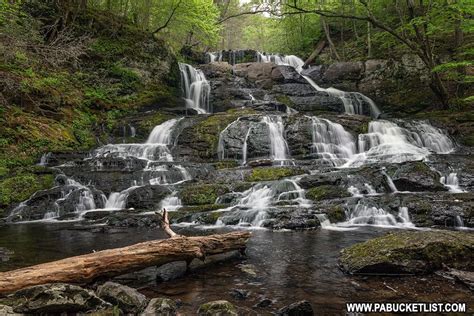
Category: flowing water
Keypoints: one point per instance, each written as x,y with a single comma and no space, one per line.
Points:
278,144
196,88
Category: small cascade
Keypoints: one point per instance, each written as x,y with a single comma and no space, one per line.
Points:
388,142
196,88
278,146
364,215
331,141
86,202
370,189
251,208
244,147
354,191
156,148
44,159
451,182
459,222
390,183
171,203
118,200
184,172
353,101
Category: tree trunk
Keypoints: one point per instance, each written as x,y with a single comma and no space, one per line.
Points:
328,37
319,47
114,262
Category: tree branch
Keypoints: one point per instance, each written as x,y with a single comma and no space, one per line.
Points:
169,18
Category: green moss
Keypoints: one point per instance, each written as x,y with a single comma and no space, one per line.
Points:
285,100
19,188
415,252
273,173
201,194
468,140
325,192
210,218
153,120
336,214
363,128
226,164
201,208
217,308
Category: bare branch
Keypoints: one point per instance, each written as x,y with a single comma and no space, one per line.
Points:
169,18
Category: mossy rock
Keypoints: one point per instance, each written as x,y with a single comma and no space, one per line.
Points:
336,214
210,218
20,187
226,164
326,192
153,120
217,308
410,252
202,194
273,173
201,208
285,100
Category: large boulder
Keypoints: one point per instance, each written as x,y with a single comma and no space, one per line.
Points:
147,197
56,298
341,71
416,177
217,308
126,298
410,252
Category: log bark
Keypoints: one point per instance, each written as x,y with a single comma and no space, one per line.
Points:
319,48
113,262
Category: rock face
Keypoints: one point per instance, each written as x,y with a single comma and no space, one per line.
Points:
217,308
393,84
416,177
127,299
411,252
56,298
302,308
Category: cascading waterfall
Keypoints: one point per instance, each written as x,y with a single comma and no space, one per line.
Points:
156,147
390,183
451,181
244,147
388,142
44,159
364,215
278,145
331,141
196,88
118,200
252,207
353,101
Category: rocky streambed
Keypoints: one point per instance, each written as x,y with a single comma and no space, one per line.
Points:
311,169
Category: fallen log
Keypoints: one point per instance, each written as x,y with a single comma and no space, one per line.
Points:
113,262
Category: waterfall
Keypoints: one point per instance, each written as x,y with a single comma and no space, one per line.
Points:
196,88
331,141
451,182
278,146
44,159
352,105
244,147
155,148
118,200
251,208
390,183
388,142
354,191
370,189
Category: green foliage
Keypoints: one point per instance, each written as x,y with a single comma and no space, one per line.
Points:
325,192
19,188
202,194
82,129
273,173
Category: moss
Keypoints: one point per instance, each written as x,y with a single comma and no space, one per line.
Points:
210,218
285,100
326,192
468,140
153,120
363,128
411,252
226,164
201,208
336,214
201,194
274,173
20,187
217,308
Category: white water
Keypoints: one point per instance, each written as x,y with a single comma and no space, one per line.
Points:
363,215
196,88
331,141
44,159
118,200
278,145
171,203
390,183
388,142
244,147
156,147
452,182
351,105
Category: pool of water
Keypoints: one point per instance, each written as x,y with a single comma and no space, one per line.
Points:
282,267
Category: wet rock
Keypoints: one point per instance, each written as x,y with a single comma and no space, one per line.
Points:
7,310
130,219
255,71
287,74
126,298
326,192
171,271
301,308
56,298
240,294
416,177
463,277
147,197
216,69
217,308
293,218
161,306
341,71
5,254
315,72
264,303
411,252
